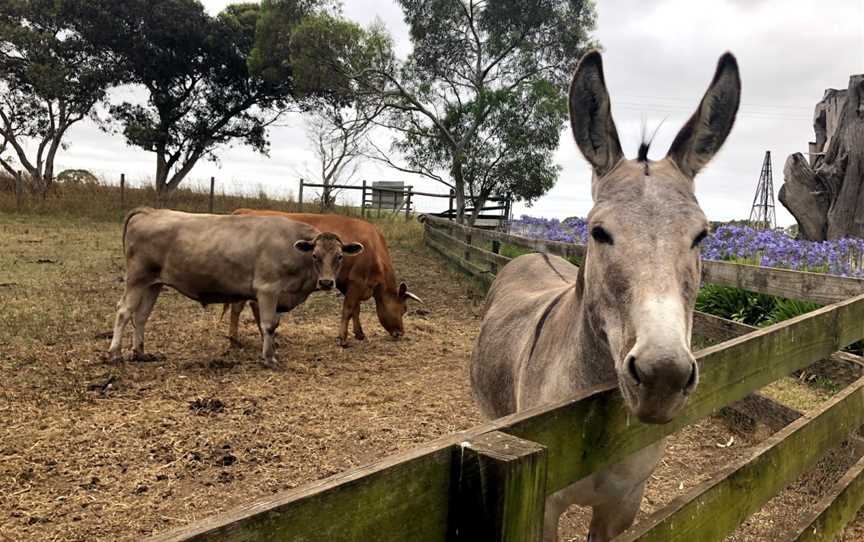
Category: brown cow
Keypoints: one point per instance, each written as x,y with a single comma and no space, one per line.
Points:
370,274
223,259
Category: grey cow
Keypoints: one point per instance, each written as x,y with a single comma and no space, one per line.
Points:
272,260
552,330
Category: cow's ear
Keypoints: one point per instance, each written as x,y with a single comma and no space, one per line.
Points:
405,294
352,249
304,245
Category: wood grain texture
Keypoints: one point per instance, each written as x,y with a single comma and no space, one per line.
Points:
835,510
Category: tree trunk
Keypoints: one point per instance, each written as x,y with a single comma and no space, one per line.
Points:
459,185
826,196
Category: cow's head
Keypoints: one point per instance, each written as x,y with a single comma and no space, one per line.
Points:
391,305
327,251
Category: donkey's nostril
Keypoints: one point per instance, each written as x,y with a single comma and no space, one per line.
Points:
632,370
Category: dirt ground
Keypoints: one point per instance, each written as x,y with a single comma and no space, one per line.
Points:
91,450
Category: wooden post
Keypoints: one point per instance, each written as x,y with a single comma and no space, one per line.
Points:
408,205
19,190
363,201
501,489
380,194
450,215
300,196
212,190
496,249
467,249
122,191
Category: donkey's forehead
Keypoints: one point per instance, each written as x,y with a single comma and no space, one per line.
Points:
646,189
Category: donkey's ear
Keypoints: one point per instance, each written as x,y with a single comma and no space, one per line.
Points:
704,134
591,116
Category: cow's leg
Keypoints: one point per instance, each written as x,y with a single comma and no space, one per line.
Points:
355,319
140,316
269,321
350,310
257,314
233,326
125,308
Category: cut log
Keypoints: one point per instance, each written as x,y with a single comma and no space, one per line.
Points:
826,195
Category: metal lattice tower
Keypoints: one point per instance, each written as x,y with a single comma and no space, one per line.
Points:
762,215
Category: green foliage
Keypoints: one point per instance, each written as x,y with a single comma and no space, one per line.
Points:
483,94
50,78
735,304
194,67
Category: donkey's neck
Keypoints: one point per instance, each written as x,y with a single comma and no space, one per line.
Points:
593,363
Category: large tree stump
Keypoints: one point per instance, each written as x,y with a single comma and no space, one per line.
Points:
826,194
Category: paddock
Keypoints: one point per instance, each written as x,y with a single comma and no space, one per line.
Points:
205,442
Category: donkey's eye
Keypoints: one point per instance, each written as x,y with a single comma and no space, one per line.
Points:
601,236
699,238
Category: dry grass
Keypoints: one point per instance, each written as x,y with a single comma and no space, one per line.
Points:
96,451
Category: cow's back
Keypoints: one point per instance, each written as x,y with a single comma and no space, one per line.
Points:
372,267
519,300
213,258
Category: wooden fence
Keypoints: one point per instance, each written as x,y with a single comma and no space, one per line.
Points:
490,482
492,215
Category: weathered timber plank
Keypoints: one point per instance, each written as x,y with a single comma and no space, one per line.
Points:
730,371
475,271
500,490
760,408
565,250
402,498
718,329
716,508
814,287
406,496
835,510
479,253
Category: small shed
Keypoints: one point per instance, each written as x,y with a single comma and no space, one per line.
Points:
392,197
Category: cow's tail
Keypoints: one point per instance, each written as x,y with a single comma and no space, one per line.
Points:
129,215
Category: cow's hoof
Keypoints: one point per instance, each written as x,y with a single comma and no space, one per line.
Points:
359,335
343,342
114,357
147,358
272,363
234,343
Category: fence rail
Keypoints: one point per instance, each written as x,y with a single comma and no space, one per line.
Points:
490,482
501,205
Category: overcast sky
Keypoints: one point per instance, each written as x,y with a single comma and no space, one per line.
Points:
659,57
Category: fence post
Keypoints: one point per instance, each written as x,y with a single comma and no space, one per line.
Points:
450,209
408,205
212,190
379,200
19,190
496,249
501,492
468,249
363,201
300,196
122,191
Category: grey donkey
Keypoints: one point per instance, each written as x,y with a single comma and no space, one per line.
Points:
552,330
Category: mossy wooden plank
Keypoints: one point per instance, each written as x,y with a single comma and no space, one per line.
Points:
813,287
475,271
565,250
834,511
402,498
476,251
499,490
714,509
591,432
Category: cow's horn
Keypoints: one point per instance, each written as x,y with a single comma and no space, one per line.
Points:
414,297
